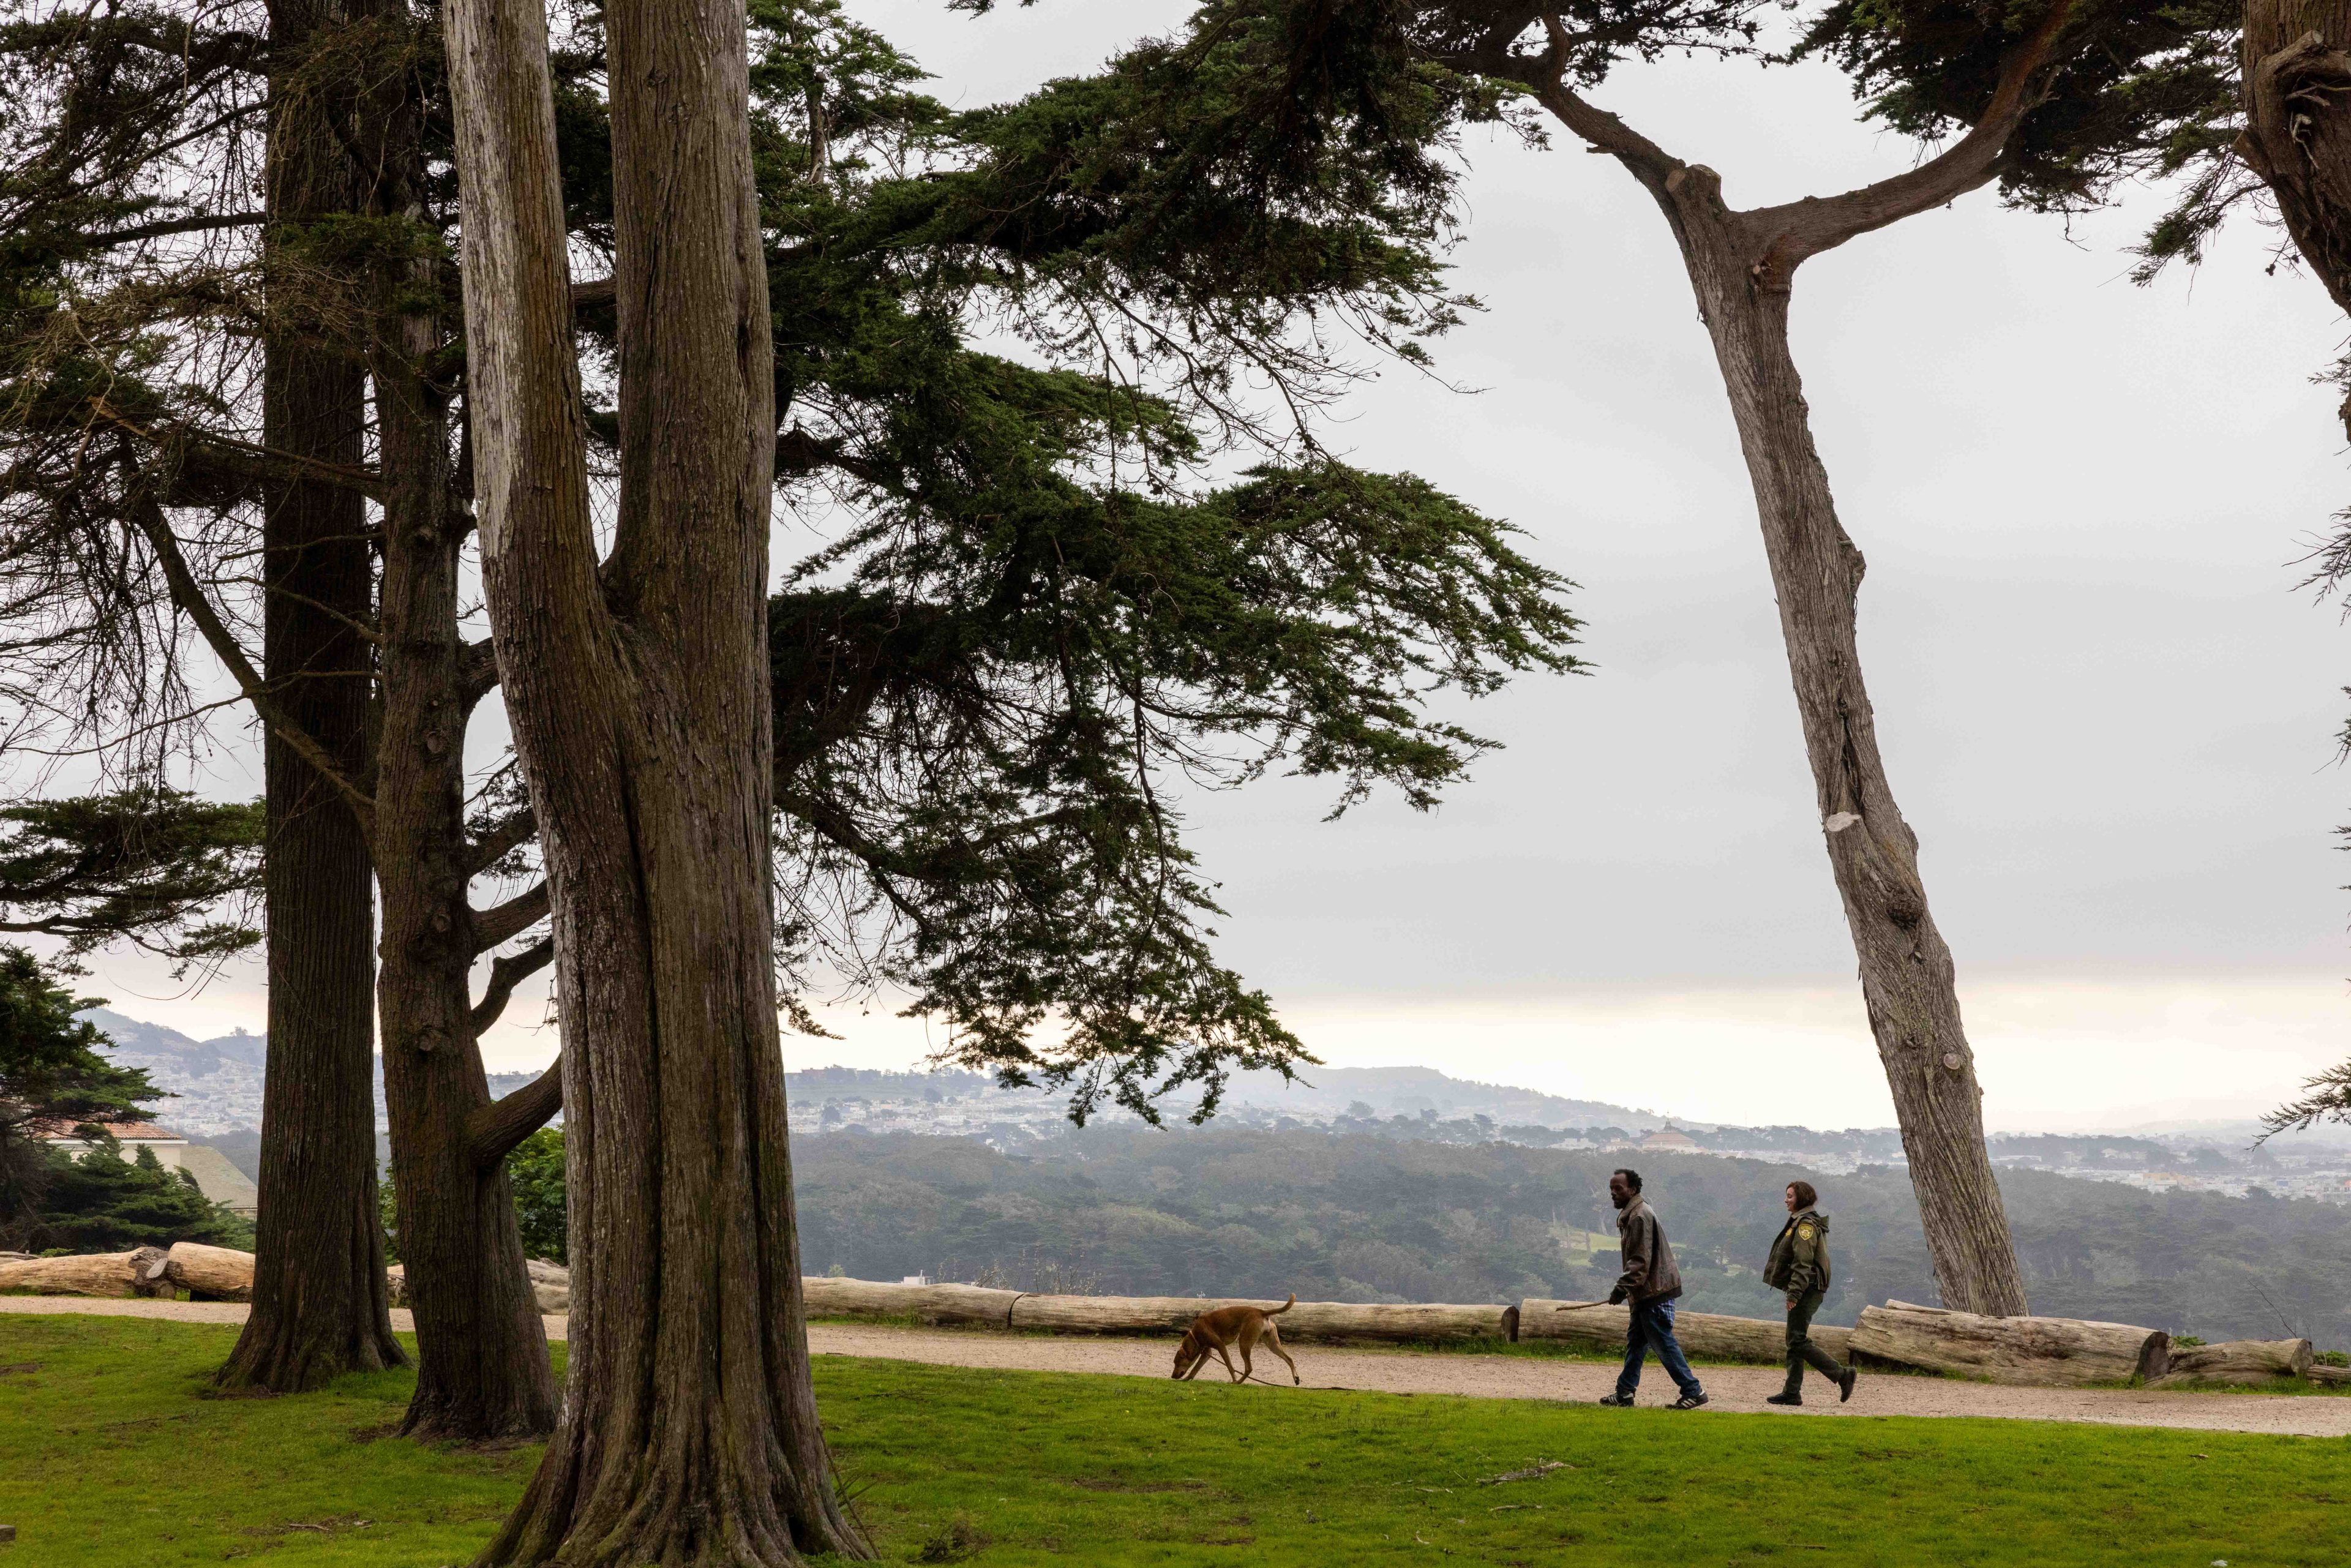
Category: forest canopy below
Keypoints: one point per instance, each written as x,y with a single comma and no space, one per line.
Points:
1361,1218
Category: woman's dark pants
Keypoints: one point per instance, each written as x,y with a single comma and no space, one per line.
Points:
1801,1348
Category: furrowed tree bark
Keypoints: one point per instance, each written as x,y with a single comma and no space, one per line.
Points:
638,691
318,1303
2297,136
1741,266
483,1369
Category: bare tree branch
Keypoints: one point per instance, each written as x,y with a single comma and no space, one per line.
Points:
506,973
499,842
503,923
496,1129
198,224
193,601
1799,230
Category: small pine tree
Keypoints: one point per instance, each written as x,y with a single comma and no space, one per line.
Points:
104,1203
51,1074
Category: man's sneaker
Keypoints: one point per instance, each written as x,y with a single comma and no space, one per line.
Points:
1783,1399
1689,1402
1844,1385
1618,1401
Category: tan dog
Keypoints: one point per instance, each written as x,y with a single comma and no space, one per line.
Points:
1247,1327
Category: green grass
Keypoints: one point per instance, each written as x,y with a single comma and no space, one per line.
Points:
112,1454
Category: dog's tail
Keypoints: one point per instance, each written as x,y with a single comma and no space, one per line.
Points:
1285,1306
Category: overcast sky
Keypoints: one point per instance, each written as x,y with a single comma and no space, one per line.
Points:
2106,708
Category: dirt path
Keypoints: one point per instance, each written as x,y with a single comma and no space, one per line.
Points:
1481,1376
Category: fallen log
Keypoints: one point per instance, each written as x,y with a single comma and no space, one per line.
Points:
1322,1321
2043,1352
2237,1364
930,1304
550,1282
1338,1321
1710,1336
1121,1314
207,1273
2330,1377
83,1274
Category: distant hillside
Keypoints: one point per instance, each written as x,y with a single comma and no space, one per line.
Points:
216,1082
1361,1217
1325,1092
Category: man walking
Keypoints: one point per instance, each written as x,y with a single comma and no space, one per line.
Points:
1650,1283
1799,1265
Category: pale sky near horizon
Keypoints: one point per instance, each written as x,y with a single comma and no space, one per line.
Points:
2108,709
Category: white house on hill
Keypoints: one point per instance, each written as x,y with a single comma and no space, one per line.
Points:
215,1177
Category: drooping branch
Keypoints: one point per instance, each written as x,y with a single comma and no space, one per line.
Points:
188,594
502,922
498,1128
197,223
506,973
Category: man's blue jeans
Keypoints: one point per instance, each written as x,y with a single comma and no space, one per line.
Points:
1652,1328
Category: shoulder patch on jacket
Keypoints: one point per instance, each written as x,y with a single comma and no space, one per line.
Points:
1804,1233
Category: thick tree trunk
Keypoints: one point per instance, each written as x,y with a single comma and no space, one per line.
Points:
482,1361
2297,133
1907,974
640,703
318,1302
2297,136
483,1369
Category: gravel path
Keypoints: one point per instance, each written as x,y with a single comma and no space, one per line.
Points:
1482,1376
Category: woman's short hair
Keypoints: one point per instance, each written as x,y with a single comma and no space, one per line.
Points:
1805,1195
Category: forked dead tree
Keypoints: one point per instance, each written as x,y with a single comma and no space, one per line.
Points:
2003,80
1742,265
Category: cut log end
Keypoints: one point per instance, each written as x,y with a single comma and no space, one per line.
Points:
2236,1364
2030,1351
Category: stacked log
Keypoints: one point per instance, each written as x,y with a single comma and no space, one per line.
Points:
206,1273
86,1274
929,1303
1710,1336
2240,1363
2060,1353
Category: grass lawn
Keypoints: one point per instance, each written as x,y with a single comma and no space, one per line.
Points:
112,1454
